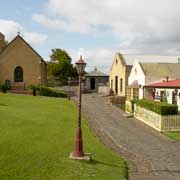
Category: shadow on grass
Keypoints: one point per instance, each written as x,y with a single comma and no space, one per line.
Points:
3,104
95,162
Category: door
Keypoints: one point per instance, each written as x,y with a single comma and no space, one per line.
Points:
116,84
92,83
162,96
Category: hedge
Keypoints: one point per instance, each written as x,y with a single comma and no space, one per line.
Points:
3,88
46,91
157,107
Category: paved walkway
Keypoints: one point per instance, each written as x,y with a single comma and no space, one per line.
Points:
151,154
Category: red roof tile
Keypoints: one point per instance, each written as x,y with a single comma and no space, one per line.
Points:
166,84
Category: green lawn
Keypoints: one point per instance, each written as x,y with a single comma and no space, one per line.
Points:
173,135
37,136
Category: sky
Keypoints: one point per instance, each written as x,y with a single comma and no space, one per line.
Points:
94,29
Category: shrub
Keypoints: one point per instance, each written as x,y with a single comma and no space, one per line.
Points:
34,89
157,107
3,88
46,91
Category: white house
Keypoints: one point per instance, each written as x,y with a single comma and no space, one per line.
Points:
168,91
143,73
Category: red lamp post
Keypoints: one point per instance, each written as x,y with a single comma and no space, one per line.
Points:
69,93
78,152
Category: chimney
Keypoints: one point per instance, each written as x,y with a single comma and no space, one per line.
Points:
2,42
167,78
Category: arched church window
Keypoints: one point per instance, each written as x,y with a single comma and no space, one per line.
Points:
18,74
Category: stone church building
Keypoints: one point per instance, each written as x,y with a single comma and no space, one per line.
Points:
20,65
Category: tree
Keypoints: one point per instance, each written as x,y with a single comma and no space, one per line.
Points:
60,65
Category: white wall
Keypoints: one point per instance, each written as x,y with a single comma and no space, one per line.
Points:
137,74
169,95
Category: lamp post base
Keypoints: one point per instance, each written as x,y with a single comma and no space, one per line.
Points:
86,157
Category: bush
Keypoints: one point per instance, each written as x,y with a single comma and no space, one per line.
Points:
3,88
46,91
157,107
34,89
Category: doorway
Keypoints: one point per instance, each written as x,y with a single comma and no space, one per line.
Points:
162,96
116,84
93,83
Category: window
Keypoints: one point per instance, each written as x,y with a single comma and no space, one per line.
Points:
135,71
18,74
135,93
128,93
121,84
116,61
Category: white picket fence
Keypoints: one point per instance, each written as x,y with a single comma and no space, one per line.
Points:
159,122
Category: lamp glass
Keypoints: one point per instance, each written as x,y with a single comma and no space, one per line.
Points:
80,68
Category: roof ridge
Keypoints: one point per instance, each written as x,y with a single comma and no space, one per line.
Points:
26,44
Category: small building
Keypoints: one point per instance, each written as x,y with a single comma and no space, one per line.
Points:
20,65
167,91
96,81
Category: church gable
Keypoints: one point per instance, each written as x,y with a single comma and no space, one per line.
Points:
19,62
19,47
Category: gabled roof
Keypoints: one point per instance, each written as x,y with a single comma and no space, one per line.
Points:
131,58
172,70
96,73
166,84
18,36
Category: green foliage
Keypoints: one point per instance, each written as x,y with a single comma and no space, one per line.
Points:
60,65
46,91
37,136
3,88
34,87
157,107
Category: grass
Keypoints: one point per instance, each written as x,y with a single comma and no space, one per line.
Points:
173,135
37,136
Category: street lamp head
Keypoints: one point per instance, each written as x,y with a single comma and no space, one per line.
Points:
80,65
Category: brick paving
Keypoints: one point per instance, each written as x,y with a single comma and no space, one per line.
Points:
151,155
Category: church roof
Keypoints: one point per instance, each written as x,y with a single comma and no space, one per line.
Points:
18,36
96,73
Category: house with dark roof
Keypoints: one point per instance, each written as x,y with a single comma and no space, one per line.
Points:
20,65
96,81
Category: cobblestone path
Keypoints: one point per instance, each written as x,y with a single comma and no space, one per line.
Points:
151,155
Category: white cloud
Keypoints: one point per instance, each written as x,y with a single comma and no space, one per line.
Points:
147,26
11,28
35,38
61,24
100,57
